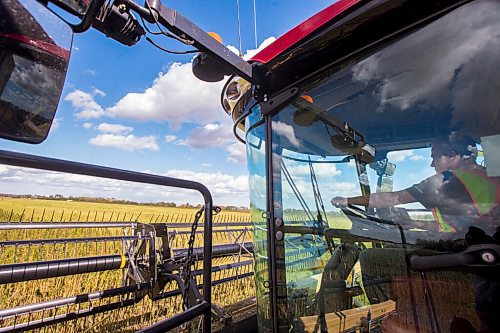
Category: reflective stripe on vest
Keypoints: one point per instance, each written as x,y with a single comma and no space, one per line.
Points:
442,225
484,191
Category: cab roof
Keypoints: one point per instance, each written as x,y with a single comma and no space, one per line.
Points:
302,30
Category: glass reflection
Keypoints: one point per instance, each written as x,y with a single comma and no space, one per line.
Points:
34,55
255,130
406,242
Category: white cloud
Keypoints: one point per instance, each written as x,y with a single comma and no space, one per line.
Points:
170,138
417,158
286,131
211,135
226,189
55,124
180,142
321,170
91,72
176,96
217,183
237,152
85,104
87,125
400,156
441,68
128,143
114,128
99,92
250,53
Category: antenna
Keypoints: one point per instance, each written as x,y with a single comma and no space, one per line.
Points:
239,25
255,22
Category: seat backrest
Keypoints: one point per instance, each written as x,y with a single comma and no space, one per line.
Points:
430,299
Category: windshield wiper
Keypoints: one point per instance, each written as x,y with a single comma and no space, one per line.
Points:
346,138
354,211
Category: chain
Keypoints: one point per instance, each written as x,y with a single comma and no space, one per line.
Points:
189,259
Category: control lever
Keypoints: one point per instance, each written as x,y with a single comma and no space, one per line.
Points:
480,256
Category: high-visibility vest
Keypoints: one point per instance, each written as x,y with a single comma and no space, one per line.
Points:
483,191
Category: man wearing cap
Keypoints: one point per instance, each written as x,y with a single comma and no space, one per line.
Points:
458,194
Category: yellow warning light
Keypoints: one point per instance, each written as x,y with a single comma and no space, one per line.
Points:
215,36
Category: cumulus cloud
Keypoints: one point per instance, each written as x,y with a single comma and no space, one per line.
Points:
176,96
417,158
321,170
85,105
441,67
226,189
87,125
99,92
286,131
237,152
402,155
128,142
218,183
250,53
114,128
211,135
55,124
170,138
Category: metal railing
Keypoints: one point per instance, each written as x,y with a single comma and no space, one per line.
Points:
14,272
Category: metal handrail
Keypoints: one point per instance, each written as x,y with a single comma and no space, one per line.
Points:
51,164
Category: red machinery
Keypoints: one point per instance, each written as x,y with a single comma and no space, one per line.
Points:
345,117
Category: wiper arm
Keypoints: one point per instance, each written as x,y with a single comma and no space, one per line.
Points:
347,139
351,210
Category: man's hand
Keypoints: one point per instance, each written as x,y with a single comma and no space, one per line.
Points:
339,202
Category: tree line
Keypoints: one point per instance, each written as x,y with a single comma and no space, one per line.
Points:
61,197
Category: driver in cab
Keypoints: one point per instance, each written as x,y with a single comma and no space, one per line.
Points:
459,194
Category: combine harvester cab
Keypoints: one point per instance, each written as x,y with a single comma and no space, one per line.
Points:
376,132
372,133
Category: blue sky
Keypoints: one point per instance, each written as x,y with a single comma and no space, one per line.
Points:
141,109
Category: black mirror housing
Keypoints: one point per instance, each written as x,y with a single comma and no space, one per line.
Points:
35,47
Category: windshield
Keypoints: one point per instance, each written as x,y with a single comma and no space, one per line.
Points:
383,161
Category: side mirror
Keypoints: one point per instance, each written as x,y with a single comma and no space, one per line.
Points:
35,47
75,7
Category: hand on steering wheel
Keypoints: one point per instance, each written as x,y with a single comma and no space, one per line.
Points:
339,202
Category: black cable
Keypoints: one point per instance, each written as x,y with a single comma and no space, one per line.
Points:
239,120
169,51
166,33
224,90
148,30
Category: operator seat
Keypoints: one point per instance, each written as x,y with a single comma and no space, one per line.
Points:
333,295
439,296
